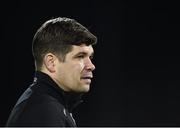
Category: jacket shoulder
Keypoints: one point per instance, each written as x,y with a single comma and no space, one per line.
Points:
38,110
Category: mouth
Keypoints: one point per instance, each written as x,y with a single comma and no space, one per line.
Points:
86,79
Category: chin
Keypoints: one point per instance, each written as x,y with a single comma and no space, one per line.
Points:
85,88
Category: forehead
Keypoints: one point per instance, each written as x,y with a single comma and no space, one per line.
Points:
82,48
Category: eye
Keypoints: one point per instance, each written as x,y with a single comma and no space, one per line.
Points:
91,57
80,56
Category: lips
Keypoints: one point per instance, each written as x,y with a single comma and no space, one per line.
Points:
87,78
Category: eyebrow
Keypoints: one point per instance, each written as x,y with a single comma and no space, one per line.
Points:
83,53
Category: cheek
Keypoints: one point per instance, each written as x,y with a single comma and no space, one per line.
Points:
73,70
78,67
76,70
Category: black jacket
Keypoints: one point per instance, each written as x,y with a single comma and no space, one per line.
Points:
44,103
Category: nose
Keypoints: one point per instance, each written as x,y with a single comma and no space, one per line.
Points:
89,65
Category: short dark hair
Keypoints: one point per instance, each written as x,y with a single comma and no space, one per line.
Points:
57,36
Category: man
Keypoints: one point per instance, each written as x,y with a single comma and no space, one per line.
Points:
62,49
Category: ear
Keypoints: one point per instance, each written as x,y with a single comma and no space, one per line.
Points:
49,62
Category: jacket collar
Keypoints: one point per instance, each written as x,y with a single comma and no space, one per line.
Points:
69,99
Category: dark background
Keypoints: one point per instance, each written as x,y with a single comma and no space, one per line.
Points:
136,81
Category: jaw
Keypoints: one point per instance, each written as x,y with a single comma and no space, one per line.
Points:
84,86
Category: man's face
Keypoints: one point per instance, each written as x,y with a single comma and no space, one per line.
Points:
75,73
